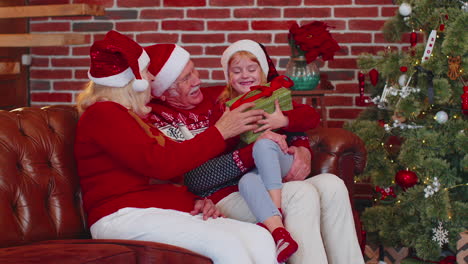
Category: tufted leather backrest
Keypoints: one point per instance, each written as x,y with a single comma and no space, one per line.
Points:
39,188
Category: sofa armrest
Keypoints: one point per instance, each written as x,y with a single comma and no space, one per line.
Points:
146,251
337,151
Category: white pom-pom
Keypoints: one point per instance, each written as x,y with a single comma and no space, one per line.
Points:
140,85
402,80
441,117
405,9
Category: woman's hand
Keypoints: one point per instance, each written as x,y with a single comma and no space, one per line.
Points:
274,120
277,138
207,208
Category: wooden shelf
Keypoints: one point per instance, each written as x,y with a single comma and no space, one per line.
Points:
51,10
41,40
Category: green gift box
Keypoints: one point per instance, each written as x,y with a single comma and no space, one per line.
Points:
266,103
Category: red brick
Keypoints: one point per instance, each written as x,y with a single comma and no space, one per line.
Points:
262,38
389,11
356,12
352,37
278,50
307,12
335,123
161,13
373,2
39,85
92,26
104,3
218,76
47,2
136,26
342,64
50,26
193,25
338,101
156,38
73,18
138,3
340,75
51,97
204,75
231,2
271,25
185,3
50,74
70,62
215,50
119,14
40,62
278,2
257,12
357,50
207,62
194,50
81,74
374,25
347,87
228,25
208,13
344,113
80,51
203,38
48,51
327,2
69,86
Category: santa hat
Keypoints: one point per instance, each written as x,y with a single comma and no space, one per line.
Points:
244,45
116,60
167,61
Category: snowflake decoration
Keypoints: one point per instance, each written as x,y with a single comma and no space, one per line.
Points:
440,235
432,188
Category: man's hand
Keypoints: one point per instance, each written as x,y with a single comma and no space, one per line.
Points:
239,120
277,138
300,168
207,208
274,120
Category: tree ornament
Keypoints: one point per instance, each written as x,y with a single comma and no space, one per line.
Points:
374,76
413,39
464,98
362,100
440,235
403,69
388,191
454,67
441,27
432,188
402,80
406,179
441,117
405,9
429,46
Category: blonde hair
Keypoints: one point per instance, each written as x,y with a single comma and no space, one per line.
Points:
229,92
126,96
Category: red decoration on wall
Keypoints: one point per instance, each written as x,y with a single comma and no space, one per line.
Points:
464,98
374,76
362,100
406,179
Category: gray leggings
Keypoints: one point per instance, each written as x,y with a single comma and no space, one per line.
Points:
272,165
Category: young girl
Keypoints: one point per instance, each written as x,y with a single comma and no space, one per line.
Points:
245,64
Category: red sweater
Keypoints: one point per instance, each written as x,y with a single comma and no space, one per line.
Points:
117,154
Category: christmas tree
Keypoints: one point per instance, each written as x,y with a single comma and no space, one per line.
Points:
416,130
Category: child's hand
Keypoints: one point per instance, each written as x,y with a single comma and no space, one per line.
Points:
274,120
207,208
277,138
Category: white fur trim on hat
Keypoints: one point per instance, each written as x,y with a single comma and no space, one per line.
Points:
244,45
118,80
143,60
171,70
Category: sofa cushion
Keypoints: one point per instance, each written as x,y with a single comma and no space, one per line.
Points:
67,253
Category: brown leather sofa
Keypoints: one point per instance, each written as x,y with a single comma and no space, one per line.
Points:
41,215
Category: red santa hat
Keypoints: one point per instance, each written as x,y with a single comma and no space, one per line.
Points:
116,60
167,61
244,45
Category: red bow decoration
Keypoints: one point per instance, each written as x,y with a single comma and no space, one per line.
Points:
276,83
385,192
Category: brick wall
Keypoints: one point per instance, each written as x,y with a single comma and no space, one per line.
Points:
205,28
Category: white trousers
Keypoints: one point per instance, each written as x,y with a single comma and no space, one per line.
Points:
318,214
225,241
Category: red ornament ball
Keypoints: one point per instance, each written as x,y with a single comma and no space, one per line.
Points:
403,69
406,179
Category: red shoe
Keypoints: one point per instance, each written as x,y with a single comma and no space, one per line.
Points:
285,244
